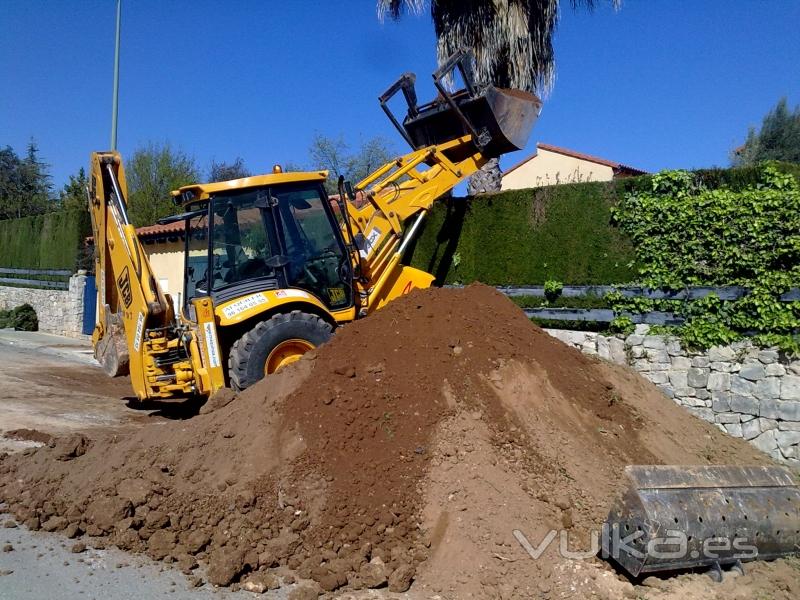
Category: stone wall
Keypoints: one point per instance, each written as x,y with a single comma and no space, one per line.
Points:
59,311
748,392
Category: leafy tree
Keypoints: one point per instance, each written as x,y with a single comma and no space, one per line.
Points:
778,138
25,184
73,196
511,40
222,171
153,171
333,155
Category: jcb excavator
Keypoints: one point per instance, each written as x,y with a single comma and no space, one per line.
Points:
272,267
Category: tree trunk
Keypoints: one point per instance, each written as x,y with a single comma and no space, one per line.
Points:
487,179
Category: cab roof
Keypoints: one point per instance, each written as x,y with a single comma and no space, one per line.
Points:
202,191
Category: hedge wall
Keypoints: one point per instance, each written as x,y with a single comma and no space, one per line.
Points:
561,232
50,241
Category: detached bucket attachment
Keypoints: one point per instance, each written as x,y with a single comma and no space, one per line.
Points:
499,120
676,517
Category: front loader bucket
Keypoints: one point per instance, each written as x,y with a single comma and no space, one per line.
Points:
674,517
503,120
499,120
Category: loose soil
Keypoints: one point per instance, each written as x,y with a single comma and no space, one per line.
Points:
408,449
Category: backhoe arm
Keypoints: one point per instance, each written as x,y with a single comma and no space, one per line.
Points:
130,301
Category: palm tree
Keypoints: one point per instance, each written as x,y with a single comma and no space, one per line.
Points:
511,40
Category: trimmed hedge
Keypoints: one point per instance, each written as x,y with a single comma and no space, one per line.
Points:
50,241
561,232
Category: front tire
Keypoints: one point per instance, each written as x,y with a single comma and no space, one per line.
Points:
273,344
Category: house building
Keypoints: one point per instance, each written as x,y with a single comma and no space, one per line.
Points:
552,165
164,245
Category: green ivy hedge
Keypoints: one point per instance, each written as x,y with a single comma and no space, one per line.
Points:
50,241
686,233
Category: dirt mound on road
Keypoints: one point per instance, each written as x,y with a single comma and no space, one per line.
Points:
410,446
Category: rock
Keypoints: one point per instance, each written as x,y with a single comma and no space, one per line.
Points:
678,379
790,387
697,378
373,573
744,404
219,399
658,356
641,329
703,413
55,524
195,541
33,524
720,401
634,340
674,348
161,543
719,382
667,391
775,370
304,591
107,511
751,429
753,372
789,426
616,349
225,565
156,520
768,388
657,377
766,442
734,429
8,548
700,362
787,438
78,547
767,424
702,394
136,490
727,418
742,387
69,447
681,363
73,530
261,582
721,354
768,356
401,578
789,411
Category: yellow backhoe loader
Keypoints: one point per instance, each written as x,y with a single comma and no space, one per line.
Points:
273,266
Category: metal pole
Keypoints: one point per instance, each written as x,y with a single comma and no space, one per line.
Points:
116,81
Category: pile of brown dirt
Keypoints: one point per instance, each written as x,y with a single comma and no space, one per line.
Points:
410,447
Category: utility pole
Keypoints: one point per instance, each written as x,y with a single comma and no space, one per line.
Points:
115,100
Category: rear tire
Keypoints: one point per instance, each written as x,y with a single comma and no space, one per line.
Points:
278,341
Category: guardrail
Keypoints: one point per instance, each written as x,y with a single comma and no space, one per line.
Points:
606,315
36,281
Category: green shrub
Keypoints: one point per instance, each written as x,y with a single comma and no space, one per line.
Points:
50,241
21,318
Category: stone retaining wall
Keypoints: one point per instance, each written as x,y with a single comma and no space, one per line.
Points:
59,311
751,393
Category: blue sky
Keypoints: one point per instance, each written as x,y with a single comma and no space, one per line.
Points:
658,84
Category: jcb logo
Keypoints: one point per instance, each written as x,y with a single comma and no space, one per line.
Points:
124,285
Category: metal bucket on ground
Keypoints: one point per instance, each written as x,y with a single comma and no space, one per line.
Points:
674,517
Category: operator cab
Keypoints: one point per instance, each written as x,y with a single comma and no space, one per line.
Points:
261,233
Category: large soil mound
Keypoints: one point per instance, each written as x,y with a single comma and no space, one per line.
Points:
409,447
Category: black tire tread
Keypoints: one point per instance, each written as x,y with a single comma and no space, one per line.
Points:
243,347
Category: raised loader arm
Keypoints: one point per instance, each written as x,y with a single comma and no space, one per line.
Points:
452,137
